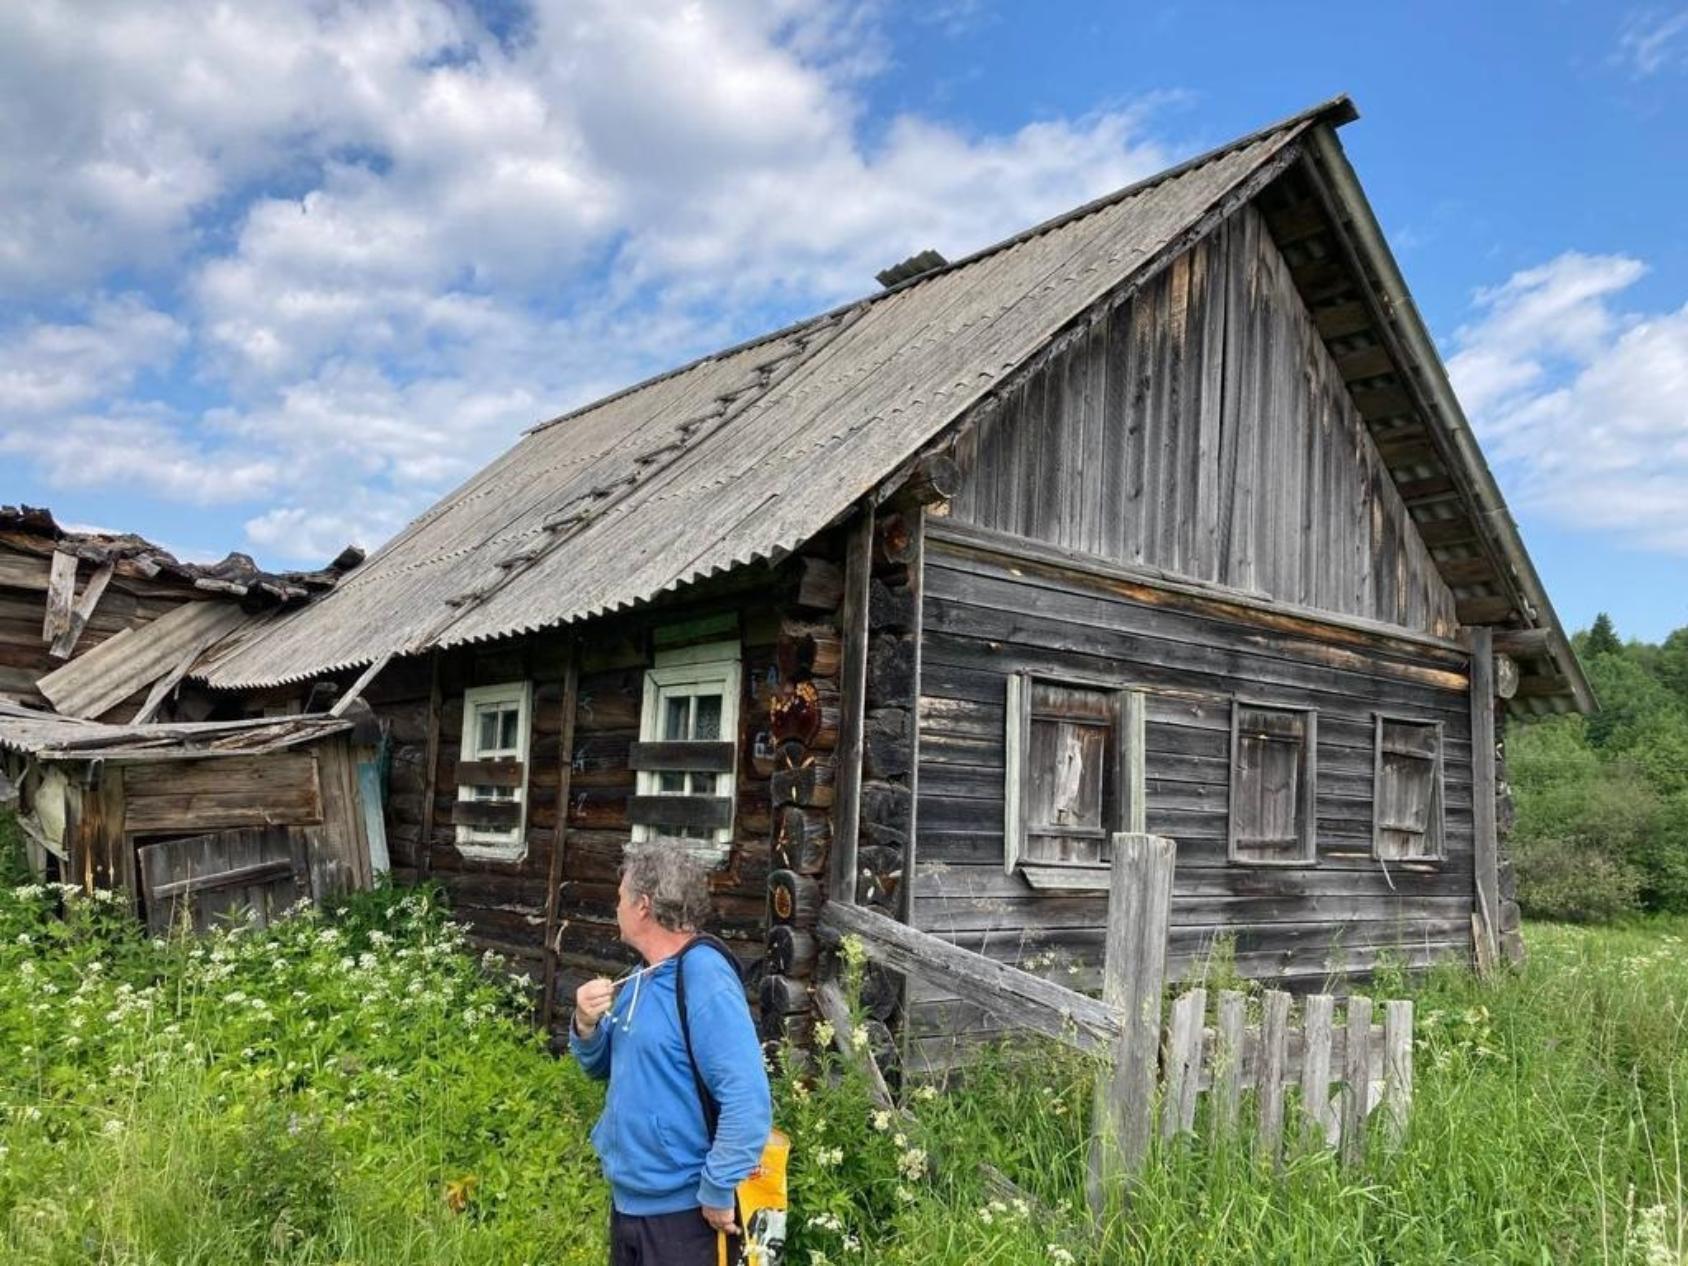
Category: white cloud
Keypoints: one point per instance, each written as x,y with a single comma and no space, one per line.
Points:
382,238
1581,403
1653,40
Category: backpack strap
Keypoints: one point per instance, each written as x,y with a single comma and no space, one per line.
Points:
711,1109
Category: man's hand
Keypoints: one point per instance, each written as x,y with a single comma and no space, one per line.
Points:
720,1219
591,1000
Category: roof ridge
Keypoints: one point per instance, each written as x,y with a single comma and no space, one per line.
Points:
1340,108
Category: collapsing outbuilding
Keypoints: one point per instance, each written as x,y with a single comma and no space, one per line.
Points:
1161,515
192,821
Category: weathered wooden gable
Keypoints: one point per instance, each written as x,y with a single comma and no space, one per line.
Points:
1201,428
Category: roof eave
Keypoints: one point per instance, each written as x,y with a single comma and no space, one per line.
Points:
1494,518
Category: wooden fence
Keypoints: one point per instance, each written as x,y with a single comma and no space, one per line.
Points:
1371,1064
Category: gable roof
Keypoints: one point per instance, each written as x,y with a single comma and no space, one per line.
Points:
742,456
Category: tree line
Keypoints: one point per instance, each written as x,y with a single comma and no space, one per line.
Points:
1602,800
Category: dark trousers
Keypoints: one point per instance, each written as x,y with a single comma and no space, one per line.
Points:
666,1239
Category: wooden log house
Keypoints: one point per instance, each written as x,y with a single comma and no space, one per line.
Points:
1159,516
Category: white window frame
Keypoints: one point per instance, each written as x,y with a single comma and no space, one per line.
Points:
704,668
486,843
1436,833
1307,848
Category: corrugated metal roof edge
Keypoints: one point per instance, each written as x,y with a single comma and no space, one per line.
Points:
1336,111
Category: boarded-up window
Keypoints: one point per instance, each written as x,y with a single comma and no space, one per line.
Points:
1065,795
1273,784
1407,798
491,809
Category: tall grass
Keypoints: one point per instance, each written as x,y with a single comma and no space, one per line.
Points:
357,1089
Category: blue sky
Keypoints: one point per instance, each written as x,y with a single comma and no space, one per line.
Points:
275,276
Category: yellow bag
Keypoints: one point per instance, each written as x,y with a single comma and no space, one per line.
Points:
762,1206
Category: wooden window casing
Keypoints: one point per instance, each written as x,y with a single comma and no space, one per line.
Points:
493,771
1407,791
1274,785
692,698
1074,777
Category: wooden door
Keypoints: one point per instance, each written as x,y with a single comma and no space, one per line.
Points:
207,879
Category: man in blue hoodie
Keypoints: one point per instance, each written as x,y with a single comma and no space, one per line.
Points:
671,1184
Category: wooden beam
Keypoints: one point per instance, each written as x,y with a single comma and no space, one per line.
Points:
494,814
1485,837
431,757
1339,320
1455,531
61,590
1365,362
1298,223
1483,609
359,686
490,773
692,813
1523,643
1467,571
1545,686
92,592
1019,997
672,757
846,811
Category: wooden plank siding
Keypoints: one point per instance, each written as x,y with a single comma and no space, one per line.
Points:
988,615
1202,427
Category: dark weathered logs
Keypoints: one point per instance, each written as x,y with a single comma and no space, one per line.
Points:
889,607
781,995
798,1029
808,650
881,992
761,755
936,478
890,671
879,869
793,899
1506,676
808,712
893,541
820,584
883,1047
887,743
888,805
801,838
791,951
811,784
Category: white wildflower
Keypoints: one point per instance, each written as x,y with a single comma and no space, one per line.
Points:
882,1121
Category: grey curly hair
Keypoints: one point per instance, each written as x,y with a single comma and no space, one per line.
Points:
672,878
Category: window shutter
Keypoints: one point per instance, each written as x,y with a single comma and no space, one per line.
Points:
1407,790
1273,784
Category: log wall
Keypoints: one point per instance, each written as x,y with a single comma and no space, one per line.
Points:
988,614
1203,428
505,902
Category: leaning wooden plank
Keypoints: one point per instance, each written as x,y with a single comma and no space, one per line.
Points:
355,693
1227,1062
1019,997
829,1000
1269,1097
1183,1064
164,685
95,589
98,681
1317,1016
61,590
1397,1070
255,873
1356,1080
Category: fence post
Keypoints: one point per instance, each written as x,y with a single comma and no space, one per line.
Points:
1133,975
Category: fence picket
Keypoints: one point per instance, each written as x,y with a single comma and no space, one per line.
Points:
1316,1022
1269,1098
1397,1070
1356,1080
1181,1062
1228,1063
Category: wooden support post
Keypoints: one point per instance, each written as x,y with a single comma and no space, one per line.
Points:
1356,1080
1485,835
1274,1057
430,772
846,813
559,840
1134,973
